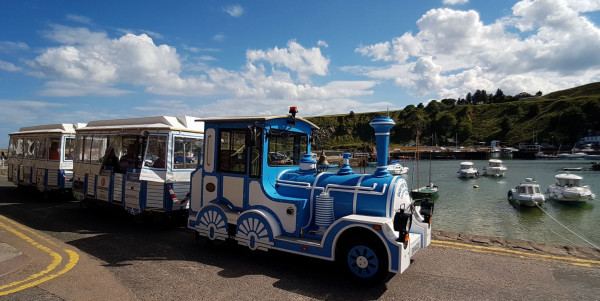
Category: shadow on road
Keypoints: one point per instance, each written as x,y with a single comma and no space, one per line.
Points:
111,235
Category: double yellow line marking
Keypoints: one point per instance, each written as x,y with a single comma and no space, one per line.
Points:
42,276
514,253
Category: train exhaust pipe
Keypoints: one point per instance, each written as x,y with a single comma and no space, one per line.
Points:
382,126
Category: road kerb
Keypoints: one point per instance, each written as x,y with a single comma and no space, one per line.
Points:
44,275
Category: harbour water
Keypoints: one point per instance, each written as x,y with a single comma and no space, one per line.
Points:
486,210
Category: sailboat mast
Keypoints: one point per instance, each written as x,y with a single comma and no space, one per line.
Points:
429,170
418,156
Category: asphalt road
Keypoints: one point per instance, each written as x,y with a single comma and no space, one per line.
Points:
118,259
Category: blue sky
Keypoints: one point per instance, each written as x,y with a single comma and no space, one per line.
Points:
77,61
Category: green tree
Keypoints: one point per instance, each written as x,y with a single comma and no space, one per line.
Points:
449,102
498,97
505,125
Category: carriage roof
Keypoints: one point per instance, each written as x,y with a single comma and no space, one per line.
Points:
253,118
174,123
58,128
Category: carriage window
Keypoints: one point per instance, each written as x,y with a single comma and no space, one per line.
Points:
82,146
131,152
187,152
156,152
97,149
29,148
15,148
232,151
53,149
69,148
286,148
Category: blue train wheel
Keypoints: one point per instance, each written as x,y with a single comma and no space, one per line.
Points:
366,261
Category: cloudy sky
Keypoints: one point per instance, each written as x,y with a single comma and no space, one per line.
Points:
76,61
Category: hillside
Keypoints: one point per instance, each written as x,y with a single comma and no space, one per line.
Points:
561,117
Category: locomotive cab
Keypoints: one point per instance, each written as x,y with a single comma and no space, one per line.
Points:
258,185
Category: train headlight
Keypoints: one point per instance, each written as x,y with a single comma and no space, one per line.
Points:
402,224
426,210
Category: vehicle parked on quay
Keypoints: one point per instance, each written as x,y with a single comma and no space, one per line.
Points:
137,163
41,157
367,222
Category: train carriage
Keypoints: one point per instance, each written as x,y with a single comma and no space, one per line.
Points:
41,156
141,164
258,185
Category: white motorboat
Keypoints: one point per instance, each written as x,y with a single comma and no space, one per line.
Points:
395,167
495,168
527,193
571,156
569,188
467,170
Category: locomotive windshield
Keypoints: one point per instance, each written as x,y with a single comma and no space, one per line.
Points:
286,147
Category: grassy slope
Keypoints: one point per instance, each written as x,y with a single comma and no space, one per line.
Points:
559,117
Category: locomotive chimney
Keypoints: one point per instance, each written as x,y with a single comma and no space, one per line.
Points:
382,126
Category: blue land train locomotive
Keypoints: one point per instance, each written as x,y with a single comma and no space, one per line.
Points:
259,185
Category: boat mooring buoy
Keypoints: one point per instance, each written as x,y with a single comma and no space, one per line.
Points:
475,186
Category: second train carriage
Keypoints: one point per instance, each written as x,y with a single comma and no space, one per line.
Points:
141,164
259,185
42,156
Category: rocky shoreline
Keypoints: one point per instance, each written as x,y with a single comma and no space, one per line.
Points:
519,245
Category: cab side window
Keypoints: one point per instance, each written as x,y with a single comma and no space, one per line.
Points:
232,151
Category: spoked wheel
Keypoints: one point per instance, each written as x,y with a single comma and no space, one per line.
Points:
366,261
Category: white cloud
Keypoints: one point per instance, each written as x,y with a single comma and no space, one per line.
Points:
74,35
70,89
455,2
8,66
454,52
79,19
91,63
305,62
8,46
234,10
219,37
322,43
29,112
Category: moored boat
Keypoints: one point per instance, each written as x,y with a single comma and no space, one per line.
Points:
542,155
467,170
428,192
395,167
495,168
527,194
569,188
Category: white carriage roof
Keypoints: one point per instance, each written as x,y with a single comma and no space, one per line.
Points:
466,163
495,161
176,123
251,118
59,128
568,176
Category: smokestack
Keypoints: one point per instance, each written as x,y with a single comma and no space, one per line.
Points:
382,126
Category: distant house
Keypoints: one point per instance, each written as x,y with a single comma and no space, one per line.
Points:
524,95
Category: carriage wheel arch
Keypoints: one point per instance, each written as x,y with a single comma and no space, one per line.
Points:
363,254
